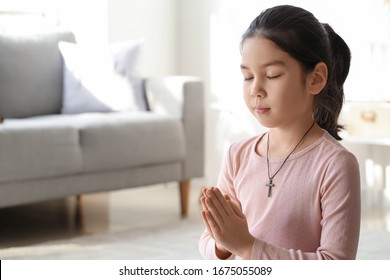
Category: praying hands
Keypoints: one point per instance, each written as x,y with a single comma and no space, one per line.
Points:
226,224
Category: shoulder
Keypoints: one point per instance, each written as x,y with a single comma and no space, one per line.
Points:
244,146
242,151
237,155
329,154
336,148
335,156
340,169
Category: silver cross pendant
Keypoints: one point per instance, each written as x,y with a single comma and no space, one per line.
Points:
270,185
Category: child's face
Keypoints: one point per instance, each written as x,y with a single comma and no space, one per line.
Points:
275,90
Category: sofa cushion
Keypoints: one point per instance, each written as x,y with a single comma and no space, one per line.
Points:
31,149
31,73
101,79
106,141
131,139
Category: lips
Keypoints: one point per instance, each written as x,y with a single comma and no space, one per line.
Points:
261,110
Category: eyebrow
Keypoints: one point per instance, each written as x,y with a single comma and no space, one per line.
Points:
267,64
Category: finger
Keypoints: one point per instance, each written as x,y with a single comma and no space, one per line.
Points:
203,197
205,190
203,203
215,210
206,223
211,193
213,202
237,210
212,223
222,200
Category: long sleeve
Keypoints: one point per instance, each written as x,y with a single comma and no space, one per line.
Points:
340,223
314,210
225,183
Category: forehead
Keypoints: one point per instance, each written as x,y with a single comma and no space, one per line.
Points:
262,52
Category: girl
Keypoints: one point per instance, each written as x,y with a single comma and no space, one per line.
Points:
293,192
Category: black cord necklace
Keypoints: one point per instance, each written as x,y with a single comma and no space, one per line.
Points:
270,178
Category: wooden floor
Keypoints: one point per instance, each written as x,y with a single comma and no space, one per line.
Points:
116,211
100,213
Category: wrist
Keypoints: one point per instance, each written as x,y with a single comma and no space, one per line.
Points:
246,251
221,252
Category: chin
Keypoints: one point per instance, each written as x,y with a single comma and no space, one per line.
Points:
262,122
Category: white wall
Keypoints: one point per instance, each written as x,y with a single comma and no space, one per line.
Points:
153,20
106,21
87,19
194,57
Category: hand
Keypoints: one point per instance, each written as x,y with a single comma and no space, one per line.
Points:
226,223
221,252
204,210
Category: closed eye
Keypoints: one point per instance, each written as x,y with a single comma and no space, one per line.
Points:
248,78
273,77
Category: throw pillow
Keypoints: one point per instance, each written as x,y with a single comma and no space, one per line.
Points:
101,79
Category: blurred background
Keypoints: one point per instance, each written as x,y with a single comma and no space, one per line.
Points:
201,38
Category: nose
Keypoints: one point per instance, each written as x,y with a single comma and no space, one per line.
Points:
257,90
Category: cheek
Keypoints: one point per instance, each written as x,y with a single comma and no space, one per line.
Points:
246,94
290,91
245,86
245,91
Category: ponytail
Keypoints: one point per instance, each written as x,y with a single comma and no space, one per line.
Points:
329,102
297,32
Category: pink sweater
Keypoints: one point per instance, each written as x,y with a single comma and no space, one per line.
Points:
314,210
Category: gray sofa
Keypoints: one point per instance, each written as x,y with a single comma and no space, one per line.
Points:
46,155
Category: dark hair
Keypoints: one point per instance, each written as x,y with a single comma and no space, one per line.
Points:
297,32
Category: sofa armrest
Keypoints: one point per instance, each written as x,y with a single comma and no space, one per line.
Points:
182,97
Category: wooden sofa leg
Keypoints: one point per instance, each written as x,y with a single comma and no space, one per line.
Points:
79,213
184,197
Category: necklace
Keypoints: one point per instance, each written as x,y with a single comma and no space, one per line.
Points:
270,178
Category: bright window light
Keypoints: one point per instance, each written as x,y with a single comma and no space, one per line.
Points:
369,40
87,18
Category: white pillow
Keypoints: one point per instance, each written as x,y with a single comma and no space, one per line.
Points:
100,79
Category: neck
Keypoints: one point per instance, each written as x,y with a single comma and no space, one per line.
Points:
283,139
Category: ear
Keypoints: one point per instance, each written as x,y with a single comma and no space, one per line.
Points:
316,80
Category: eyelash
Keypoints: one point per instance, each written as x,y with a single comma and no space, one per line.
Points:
273,77
268,77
